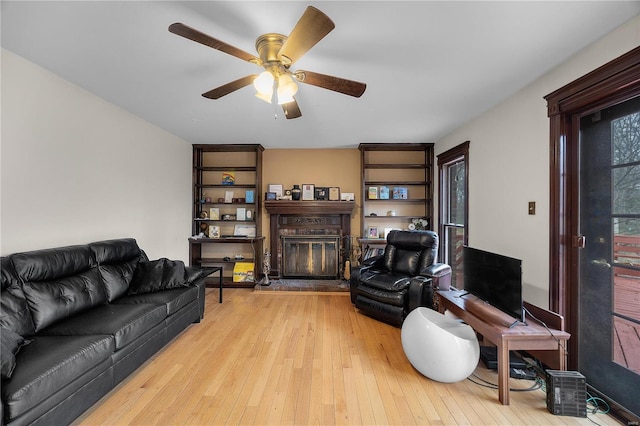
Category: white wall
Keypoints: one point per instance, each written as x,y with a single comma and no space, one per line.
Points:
77,169
509,164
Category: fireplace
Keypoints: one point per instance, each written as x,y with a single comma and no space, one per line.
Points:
307,238
310,256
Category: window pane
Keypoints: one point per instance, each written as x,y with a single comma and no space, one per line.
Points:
456,196
626,190
626,139
454,238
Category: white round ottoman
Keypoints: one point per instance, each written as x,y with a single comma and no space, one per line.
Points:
441,348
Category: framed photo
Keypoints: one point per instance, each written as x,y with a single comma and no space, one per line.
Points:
372,232
214,213
270,196
321,193
214,231
277,188
308,192
347,196
244,231
228,196
248,196
241,213
334,193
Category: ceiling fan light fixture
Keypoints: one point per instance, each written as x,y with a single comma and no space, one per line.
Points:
264,83
286,89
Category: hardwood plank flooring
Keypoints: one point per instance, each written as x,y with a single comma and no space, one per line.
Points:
297,358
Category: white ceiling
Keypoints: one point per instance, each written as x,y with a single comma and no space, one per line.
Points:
430,66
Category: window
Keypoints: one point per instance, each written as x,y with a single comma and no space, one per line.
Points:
453,168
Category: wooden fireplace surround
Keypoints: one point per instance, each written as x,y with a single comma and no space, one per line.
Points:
306,215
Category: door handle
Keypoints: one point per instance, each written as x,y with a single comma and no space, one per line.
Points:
601,262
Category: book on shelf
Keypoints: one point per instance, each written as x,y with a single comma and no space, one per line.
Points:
228,178
399,193
384,192
372,193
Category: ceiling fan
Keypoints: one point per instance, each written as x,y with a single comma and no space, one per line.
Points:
277,84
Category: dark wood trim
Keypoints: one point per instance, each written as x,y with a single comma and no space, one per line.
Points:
459,151
612,83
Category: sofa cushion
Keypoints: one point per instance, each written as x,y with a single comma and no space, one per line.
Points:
56,300
59,282
117,259
161,274
49,365
10,344
124,322
173,299
14,312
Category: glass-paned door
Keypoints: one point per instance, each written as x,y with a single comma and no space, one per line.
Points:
609,264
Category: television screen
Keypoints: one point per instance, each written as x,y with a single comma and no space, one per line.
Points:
494,278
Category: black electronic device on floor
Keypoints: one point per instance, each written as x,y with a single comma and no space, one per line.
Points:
489,355
566,393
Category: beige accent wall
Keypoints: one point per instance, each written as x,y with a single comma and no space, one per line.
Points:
77,169
321,167
509,164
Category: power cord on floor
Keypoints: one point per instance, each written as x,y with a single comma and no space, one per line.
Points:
490,385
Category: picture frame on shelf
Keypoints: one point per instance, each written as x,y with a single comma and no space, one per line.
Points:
347,196
214,213
308,192
249,196
277,188
321,193
240,230
372,232
270,196
334,193
214,231
241,213
228,197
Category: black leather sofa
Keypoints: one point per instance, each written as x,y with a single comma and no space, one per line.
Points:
75,321
389,286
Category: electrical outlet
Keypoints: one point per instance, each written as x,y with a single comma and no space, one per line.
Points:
532,207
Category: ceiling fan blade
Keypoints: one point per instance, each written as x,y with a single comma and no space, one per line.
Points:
291,110
202,38
312,26
337,84
219,92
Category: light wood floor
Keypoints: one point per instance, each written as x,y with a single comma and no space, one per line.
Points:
303,358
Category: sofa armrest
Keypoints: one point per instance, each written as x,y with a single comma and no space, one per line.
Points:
441,275
420,293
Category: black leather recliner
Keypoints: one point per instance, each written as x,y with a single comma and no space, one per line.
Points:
389,286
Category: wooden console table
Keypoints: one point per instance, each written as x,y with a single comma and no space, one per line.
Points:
494,326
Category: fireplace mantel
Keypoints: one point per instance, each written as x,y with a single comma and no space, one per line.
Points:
306,218
303,208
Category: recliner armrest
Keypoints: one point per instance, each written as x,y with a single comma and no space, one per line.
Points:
441,274
420,293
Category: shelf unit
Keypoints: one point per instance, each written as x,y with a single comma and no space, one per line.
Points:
390,166
236,240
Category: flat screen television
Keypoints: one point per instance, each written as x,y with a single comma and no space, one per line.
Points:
494,278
